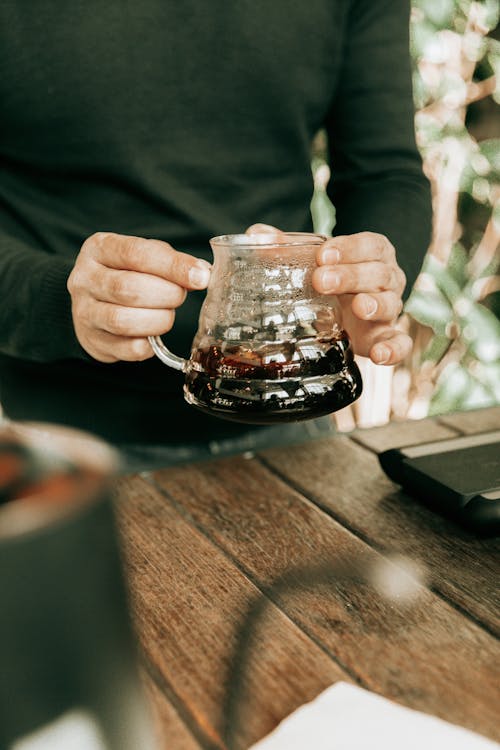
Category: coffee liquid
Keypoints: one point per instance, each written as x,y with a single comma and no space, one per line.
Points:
285,382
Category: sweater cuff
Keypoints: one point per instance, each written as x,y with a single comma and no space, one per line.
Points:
53,309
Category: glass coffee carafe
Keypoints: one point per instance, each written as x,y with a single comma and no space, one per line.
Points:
269,348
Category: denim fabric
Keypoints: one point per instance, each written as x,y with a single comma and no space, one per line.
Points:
137,458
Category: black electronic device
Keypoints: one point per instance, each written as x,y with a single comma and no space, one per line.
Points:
458,477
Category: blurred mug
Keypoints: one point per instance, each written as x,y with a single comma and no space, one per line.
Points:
68,675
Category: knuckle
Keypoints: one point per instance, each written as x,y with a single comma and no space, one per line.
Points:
169,319
116,320
178,295
139,349
163,252
389,277
115,286
77,280
99,237
393,305
374,240
383,277
71,283
169,252
384,247
83,314
177,265
380,244
95,242
121,290
349,279
393,283
373,237
402,278
131,249
384,243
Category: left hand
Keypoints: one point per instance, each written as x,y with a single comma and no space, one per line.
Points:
361,269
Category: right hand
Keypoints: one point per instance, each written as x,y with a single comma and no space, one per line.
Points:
124,289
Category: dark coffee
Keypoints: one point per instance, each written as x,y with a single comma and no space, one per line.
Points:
277,382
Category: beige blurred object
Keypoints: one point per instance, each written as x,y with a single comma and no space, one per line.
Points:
374,405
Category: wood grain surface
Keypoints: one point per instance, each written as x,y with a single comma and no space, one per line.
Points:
472,422
348,483
171,731
188,601
351,579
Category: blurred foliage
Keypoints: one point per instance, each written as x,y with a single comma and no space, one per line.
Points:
452,313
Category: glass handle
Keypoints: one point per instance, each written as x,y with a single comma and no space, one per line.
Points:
166,356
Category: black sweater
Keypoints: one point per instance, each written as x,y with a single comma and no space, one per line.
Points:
180,121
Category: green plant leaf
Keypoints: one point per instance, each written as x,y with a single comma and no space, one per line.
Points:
457,389
323,212
493,57
436,348
438,12
491,13
431,309
489,375
445,281
480,330
457,264
496,214
422,34
490,149
486,373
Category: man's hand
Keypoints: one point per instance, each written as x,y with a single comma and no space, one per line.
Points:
361,269
124,289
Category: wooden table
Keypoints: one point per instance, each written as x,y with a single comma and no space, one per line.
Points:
204,542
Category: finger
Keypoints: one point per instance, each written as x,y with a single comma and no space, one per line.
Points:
131,321
272,234
373,276
355,248
151,256
133,289
110,348
263,229
391,348
384,306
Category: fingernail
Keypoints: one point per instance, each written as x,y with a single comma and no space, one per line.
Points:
382,354
330,256
331,280
199,275
369,307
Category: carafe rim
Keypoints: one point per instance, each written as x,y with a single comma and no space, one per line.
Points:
263,239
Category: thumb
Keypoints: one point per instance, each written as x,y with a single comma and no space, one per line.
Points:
264,229
272,234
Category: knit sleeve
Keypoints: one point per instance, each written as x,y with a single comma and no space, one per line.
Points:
377,180
35,306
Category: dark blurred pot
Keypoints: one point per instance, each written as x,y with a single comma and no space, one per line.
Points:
66,642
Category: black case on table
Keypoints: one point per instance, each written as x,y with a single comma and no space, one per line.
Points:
458,477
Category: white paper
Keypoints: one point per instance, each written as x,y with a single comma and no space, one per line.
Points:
346,717
75,730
